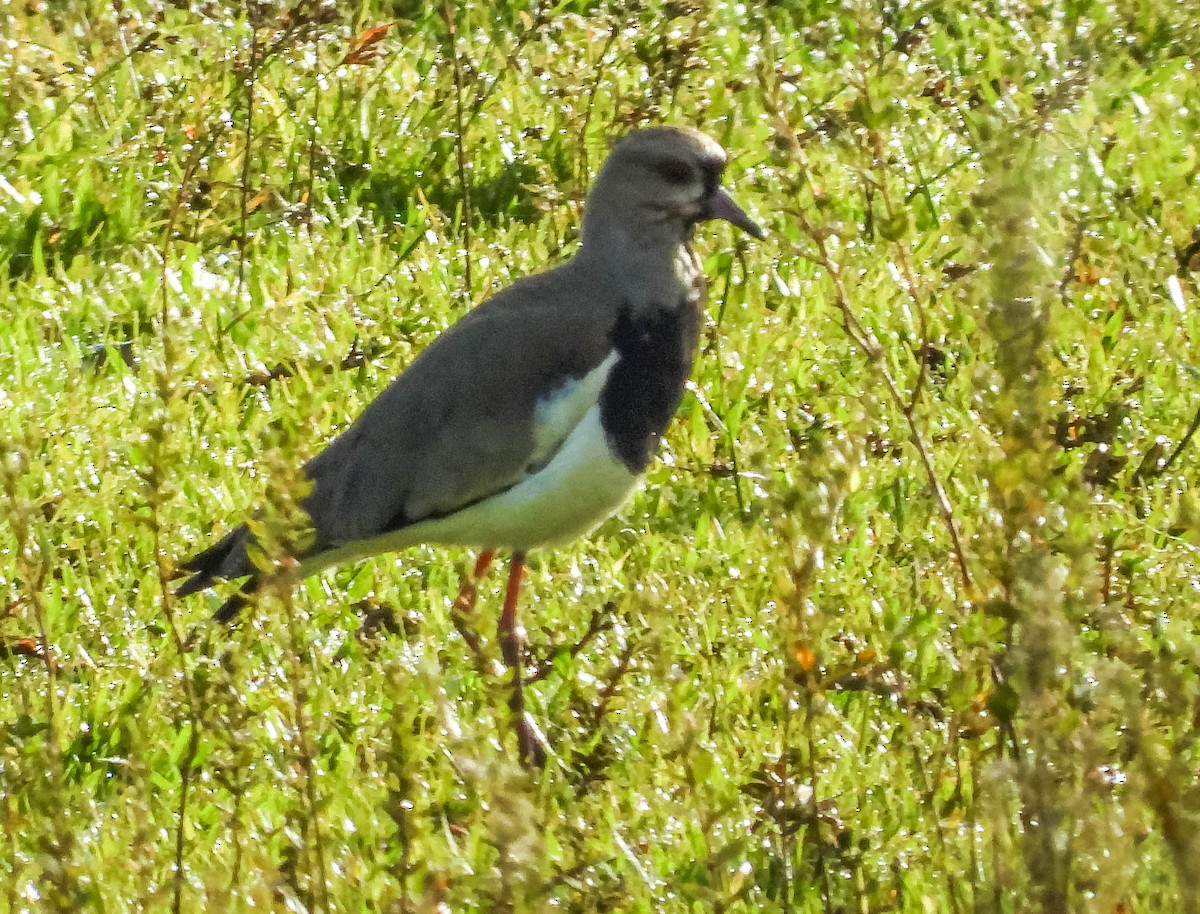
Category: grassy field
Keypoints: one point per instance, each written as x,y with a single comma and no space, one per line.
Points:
907,617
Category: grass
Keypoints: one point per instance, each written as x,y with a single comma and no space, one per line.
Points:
905,618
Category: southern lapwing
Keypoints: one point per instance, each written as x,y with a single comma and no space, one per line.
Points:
533,418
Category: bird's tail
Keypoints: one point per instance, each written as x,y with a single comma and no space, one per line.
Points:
213,563
224,559
230,609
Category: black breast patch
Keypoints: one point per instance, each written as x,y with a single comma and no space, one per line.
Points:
655,355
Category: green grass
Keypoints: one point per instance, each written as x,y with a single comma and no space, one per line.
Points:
218,242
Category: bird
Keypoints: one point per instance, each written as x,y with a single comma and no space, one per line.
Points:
534,417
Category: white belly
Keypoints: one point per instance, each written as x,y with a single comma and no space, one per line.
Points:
581,486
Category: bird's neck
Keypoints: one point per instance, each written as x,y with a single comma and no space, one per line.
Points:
651,269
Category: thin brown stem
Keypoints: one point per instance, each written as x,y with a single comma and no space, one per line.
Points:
787,840
601,621
90,90
305,752
714,344
930,805
312,134
1183,443
460,151
585,177
613,682
154,478
1077,236
866,341
814,807
869,347
908,276
249,80
33,569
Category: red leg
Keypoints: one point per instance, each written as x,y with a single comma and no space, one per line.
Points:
483,563
467,591
510,633
464,603
531,744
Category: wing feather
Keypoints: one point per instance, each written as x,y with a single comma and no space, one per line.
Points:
479,409
487,402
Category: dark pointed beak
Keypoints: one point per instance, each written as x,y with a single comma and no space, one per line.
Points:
721,206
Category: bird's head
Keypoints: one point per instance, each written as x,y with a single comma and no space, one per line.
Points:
668,178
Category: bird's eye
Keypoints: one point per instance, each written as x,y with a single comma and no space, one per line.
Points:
674,172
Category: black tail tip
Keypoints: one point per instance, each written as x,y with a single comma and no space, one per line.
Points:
194,584
232,608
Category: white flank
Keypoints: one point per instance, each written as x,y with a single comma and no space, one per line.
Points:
559,412
576,482
581,485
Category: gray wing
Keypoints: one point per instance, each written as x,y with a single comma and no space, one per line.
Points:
455,427
458,425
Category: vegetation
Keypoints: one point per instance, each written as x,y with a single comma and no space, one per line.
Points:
906,618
